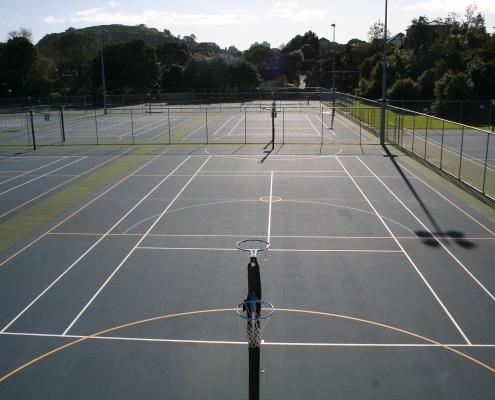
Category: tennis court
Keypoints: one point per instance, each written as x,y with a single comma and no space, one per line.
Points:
121,276
295,122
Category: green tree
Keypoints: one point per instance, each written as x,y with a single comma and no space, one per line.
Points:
245,76
78,48
129,66
310,38
355,52
173,53
172,77
452,86
197,72
207,49
404,89
17,58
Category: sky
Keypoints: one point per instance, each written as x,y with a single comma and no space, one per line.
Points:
233,22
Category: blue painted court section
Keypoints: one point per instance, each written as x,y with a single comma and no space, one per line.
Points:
380,273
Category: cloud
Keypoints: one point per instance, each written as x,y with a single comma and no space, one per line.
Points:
112,3
52,20
292,12
153,17
446,6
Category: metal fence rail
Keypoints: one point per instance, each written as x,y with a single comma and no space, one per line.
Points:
465,152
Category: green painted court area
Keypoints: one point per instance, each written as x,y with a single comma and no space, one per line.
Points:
120,276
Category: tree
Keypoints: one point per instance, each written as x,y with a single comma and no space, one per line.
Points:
17,58
376,31
245,76
293,64
296,43
197,72
173,53
78,48
420,35
172,77
452,86
258,54
355,52
129,66
22,32
404,89
207,49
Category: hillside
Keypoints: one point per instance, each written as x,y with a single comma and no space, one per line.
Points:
117,32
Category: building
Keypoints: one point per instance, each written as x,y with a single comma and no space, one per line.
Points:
265,43
396,39
231,58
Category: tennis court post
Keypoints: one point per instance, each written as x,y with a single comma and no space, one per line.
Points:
62,122
32,127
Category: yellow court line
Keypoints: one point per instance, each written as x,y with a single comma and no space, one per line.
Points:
56,187
445,198
233,309
76,212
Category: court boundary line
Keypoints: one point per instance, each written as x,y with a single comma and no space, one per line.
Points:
63,183
73,264
435,237
135,246
42,176
409,258
230,310
28,172
449,201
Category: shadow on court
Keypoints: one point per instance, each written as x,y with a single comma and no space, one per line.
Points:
430,238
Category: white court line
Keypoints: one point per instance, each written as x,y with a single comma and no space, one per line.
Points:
313,344
137,244
223,125
348,127
408,257
325,125
176,126
319,134
201,127
433,235
41,176
86,252
28,172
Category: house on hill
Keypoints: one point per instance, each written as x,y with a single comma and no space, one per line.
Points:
346,78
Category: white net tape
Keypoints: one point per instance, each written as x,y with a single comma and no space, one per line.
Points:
250,247
255,326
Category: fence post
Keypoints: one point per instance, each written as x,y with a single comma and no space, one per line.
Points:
460,159
283,126
96,128
486,161
426,136
206,125
132,127
245,127
32,128
441,146
414,128
62,125
168,117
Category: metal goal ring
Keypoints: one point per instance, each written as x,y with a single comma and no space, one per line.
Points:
256,318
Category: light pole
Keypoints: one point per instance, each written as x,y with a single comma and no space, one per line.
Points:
100,33
333,76
384,82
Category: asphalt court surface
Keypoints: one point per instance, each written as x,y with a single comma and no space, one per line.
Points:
382,280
